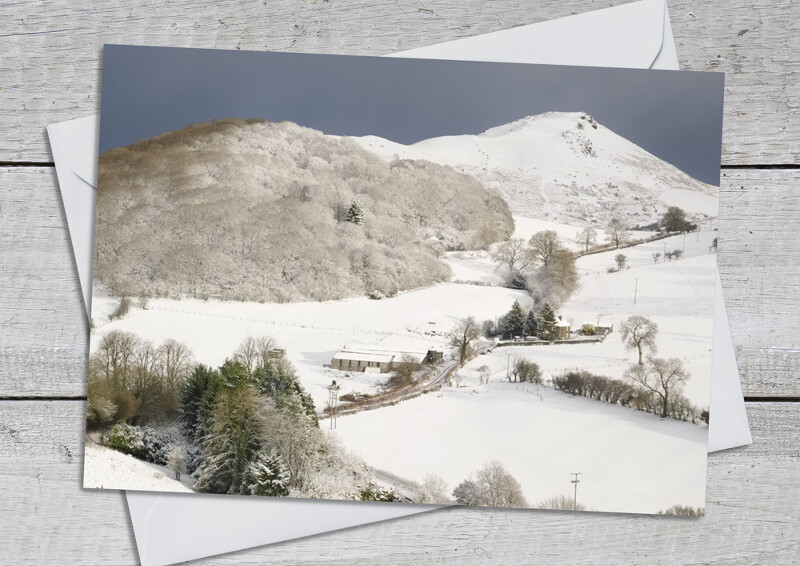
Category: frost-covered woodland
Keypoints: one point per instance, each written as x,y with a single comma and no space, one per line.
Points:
222,232
274,212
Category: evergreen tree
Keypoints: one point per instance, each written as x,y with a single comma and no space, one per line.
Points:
531,325
233,372
355,214
232,442
511,324
278,380
267,475
197,398
548,317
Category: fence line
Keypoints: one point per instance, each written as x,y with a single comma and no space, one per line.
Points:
305,326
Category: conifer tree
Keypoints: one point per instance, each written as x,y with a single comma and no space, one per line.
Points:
511,324
267,475
232,442
197,398
548,317
531,325
355,214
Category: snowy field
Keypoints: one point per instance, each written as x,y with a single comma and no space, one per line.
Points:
311,332
630,461
105,468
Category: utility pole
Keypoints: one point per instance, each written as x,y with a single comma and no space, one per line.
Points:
333,401
635,290
575,481
508,362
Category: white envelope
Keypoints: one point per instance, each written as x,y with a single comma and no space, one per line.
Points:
172,527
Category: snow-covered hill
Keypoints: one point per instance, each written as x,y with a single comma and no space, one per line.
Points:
564,167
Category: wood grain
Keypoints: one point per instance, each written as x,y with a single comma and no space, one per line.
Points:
44,343
50,52
752,496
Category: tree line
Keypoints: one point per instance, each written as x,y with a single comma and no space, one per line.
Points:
247,427
652,384
542,265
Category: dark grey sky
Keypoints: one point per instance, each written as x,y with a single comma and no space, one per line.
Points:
676,115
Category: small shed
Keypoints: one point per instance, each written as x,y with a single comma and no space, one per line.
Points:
276,353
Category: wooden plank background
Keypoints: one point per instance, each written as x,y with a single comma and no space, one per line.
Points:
50,54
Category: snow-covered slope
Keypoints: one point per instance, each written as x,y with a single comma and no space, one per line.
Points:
564,167
630,461
105,468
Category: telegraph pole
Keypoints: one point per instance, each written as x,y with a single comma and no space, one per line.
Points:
575,481
635,290
508,362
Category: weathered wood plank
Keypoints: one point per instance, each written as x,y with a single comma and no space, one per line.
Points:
752,515
43,328
44,335
758,259
50,52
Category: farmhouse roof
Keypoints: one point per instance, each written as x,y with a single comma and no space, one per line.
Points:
364,357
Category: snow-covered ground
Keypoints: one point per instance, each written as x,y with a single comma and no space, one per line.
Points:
312,332
105,468
630,461
474,266
676,295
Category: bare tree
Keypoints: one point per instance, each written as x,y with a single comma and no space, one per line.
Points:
433,489
562,503
405,369
176,363
587,238
462,337
247,354
115,357
656,256
513,254
264,346
616,233
544,246
492,486
621,260
674,220
662,377
639,333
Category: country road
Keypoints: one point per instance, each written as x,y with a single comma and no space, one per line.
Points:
396,396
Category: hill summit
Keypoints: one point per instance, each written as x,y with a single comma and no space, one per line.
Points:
564,167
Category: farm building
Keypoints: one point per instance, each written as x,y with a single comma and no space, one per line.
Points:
561,329
359,357
360,361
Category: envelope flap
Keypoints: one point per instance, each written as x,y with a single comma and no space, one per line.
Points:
78,142
632,37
